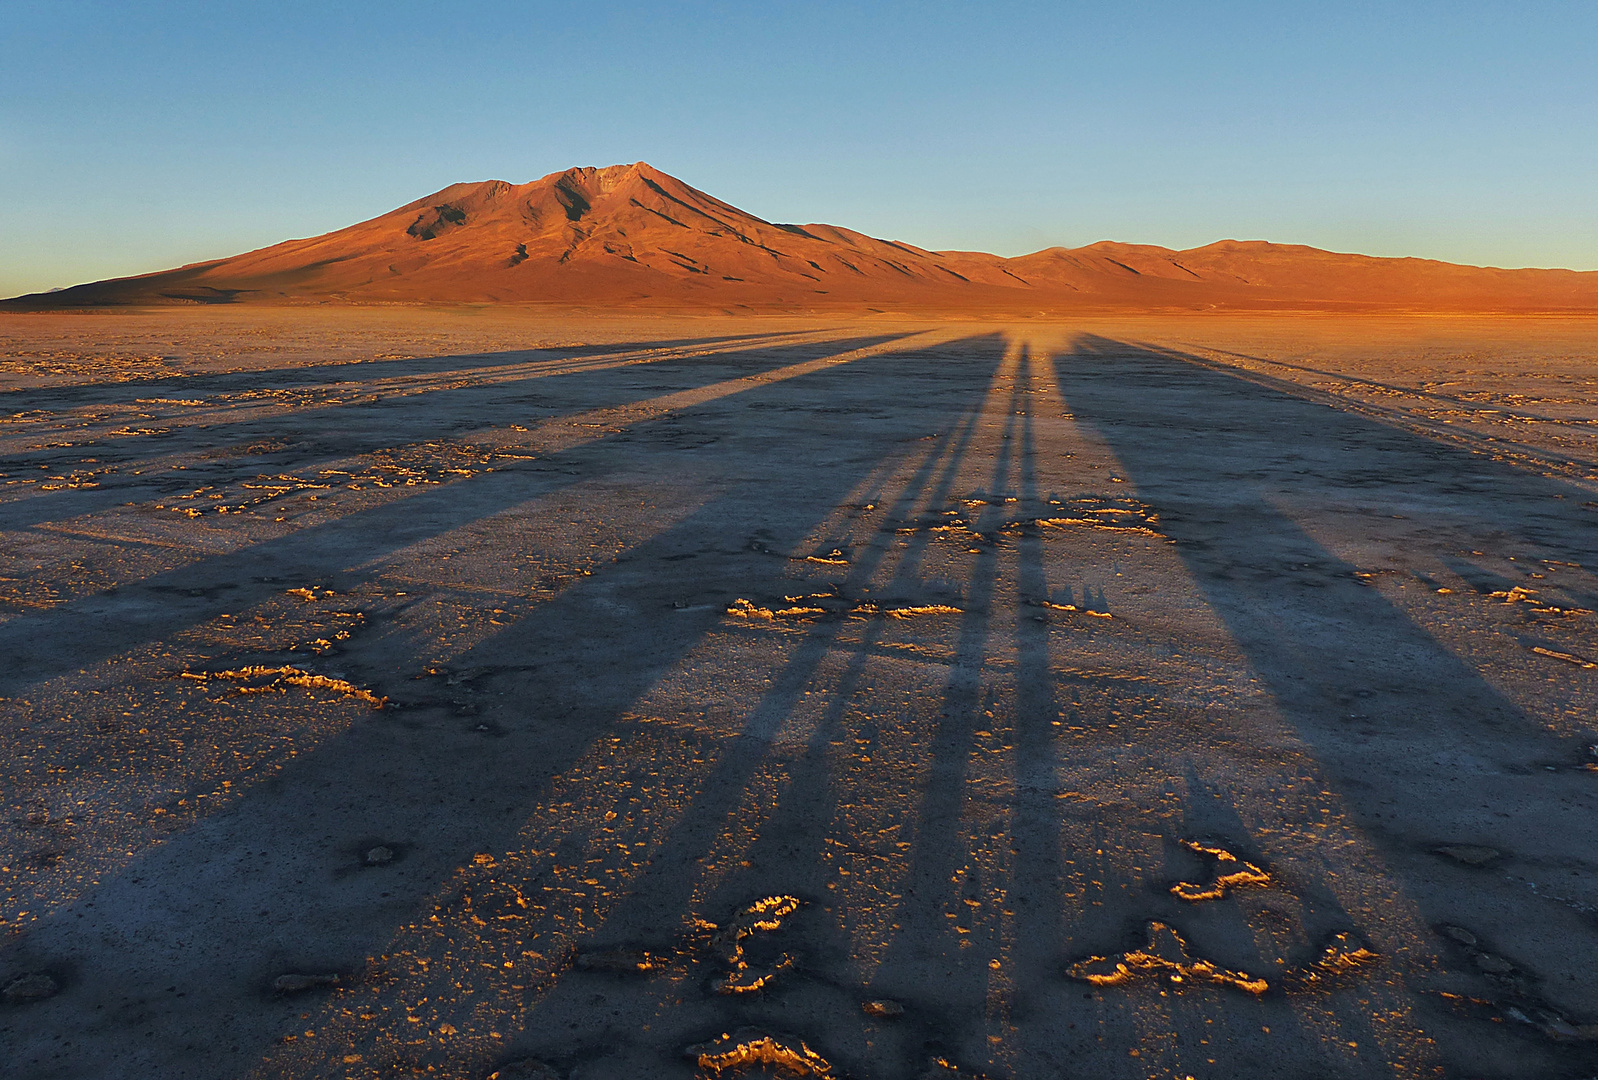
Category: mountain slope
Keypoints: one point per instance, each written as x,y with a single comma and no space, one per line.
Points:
630,235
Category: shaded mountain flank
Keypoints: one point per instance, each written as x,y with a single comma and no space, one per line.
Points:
632,236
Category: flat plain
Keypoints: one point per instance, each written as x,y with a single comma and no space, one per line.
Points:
396,691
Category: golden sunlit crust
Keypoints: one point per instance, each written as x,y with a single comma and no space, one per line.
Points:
941,1068
727,943
1166,954
748,609
1230,872
272,680
749,1048
861,609
1342,955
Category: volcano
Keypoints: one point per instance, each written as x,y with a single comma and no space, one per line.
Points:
630,236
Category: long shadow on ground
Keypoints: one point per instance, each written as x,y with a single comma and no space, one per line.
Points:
70,636
289,440
264,886
1420,746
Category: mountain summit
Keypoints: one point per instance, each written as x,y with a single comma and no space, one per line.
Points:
630,235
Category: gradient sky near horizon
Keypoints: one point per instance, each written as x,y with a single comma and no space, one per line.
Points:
139,136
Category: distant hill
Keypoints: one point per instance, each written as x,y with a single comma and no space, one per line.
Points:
632,236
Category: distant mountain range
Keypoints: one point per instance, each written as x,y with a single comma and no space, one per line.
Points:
630,236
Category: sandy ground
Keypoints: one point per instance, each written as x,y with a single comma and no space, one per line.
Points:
436,693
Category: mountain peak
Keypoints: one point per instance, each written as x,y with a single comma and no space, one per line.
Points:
602,178
631,234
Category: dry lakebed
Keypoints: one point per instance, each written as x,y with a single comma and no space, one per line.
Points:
472,692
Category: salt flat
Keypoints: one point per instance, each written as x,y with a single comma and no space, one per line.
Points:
434,692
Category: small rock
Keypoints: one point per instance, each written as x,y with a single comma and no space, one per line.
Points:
888,1010
379,855
1468,854
35,987
1493,965
1458,933
524,1069
295,982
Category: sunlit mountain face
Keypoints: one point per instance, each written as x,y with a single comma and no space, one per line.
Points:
630,236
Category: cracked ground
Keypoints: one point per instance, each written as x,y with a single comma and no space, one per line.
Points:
455,694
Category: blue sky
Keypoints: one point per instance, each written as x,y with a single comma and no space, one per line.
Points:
137,136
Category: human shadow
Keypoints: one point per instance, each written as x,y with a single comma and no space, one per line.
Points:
282,863
858,811
69,636
353,371
1449,402
781,790
303,440
1419,745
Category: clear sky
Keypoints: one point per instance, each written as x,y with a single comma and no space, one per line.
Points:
137,136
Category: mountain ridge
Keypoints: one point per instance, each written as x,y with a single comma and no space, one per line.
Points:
632,236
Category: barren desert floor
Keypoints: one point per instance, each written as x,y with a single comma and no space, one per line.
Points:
429,693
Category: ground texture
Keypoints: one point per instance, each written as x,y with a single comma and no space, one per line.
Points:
449,694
